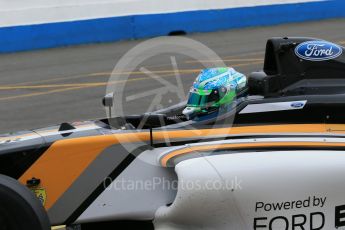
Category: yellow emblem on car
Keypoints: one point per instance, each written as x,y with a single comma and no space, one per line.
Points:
40,194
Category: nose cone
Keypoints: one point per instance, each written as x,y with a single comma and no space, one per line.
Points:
189,112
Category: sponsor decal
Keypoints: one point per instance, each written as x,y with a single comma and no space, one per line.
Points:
318,51
301,218
40,194
340,216
288,205
297,105
34,185
313,220
274,107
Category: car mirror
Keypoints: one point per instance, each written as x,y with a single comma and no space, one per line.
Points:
108,101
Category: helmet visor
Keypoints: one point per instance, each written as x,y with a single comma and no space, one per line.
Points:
197,100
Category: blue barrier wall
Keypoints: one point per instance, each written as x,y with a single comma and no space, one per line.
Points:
21,38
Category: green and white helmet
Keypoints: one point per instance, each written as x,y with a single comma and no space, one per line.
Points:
214,88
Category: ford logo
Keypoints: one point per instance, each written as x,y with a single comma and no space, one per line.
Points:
297,105
318,51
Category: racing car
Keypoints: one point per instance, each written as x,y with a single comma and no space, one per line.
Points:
265,151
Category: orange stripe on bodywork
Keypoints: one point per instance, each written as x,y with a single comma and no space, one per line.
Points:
67,159
188,150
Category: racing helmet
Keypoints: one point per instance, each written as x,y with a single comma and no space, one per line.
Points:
213,88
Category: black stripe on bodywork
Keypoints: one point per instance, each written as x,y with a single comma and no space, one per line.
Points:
110,163
14,164
101,187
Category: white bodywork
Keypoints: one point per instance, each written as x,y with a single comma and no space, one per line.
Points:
232,190
135,195
258,190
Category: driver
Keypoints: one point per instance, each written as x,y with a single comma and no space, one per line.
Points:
213,89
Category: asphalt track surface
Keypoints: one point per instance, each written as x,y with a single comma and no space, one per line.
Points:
46,87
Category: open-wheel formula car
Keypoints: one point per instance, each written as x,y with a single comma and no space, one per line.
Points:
269,156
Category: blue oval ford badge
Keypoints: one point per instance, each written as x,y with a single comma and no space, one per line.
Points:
297,105
318,51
